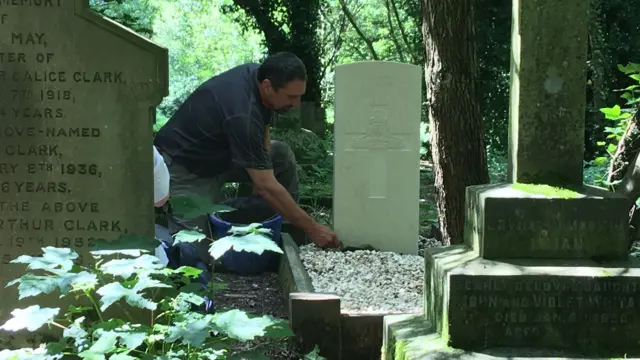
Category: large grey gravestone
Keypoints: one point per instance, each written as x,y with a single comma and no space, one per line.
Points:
545,263
77,97
377,155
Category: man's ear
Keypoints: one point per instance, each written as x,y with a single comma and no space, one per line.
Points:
266,85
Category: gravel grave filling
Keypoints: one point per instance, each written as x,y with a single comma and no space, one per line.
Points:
367,281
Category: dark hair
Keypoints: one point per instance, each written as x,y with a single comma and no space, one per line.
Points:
282,68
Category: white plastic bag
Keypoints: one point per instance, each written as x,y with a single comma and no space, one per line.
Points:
161,179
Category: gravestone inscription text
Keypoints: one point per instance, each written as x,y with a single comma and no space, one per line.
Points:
517,309
69,137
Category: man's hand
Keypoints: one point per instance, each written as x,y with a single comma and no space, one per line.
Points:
323,236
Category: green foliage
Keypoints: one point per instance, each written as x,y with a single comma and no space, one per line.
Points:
250,238
314,355
314,156
287,25
619,119
202,42
138,15
493,29
137,283
497,165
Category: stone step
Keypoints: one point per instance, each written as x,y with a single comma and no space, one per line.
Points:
575,305
411,337
537,221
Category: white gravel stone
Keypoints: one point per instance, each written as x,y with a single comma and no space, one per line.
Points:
367,281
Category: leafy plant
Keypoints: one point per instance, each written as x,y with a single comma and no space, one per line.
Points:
621,125
314,160
137,283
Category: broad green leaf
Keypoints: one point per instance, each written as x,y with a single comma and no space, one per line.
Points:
188,271
192,206
132,340
173,355
78,334
280,329
251,228
611,113
52,259
188,236
213,354
33,285
237,325
115,291
125,268
632,100
125,252
31,318
28,354
601,161
611,148
630,68
193,287
191,332
106,344
635,77
250,243
111,324
127,244
184,301
57,347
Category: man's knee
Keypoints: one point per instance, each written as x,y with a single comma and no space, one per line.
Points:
281,154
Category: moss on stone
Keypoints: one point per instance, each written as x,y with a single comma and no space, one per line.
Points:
399,351
546,190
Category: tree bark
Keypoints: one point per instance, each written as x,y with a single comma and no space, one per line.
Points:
455,117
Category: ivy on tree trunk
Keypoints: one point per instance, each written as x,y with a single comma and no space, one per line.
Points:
455,117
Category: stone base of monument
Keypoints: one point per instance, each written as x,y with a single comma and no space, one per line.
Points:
546,222
572,305
411,337
316,318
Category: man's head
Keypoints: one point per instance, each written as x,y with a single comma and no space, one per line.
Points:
282,79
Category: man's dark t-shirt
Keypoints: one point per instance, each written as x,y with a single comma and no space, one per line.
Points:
219,126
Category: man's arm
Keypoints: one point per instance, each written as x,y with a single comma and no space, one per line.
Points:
250,140
268,188
247,138
267,138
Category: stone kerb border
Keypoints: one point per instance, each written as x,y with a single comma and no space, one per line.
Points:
316,318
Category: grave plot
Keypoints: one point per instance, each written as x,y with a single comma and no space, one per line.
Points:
344,323
376,205
367,281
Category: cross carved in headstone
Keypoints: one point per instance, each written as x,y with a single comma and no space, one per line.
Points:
378,139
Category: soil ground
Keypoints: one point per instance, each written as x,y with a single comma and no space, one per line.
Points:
256,295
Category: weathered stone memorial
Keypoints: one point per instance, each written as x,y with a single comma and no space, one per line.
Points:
77,97
545,270
377,154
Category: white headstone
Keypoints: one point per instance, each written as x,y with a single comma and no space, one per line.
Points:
377,155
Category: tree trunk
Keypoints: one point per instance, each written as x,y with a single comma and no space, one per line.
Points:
455,117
